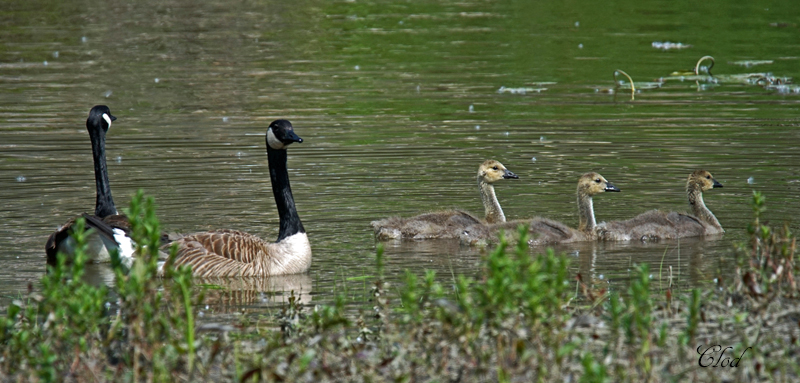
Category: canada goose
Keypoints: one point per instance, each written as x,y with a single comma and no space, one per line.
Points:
655,224
543,230
449,223
227,253
110,228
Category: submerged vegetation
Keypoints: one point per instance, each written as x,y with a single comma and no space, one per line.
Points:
524,318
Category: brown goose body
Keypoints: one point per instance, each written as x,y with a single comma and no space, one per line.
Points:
449,224
655,225
544,231
228,253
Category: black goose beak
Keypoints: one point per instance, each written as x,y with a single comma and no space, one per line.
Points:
507,174
611,188
112,117
291,137
716,184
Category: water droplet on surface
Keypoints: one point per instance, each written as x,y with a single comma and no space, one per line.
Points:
577,23
107,94
21,178
533,159
119,159
580,46
156,80
751,180
505,134
357,67
471,108
400,22
55,54
477,127
541,138
44,63
225,119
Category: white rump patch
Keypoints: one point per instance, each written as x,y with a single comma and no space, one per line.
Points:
125,246
107,118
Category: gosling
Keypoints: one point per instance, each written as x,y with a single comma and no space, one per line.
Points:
655,225
546,231
449,224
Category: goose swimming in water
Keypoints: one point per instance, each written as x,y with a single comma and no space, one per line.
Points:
228,253
548,231
110,229
655,224
449,223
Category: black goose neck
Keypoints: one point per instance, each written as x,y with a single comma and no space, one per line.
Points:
104,206
279,176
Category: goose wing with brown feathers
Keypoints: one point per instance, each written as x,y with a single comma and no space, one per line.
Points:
223,253
103,227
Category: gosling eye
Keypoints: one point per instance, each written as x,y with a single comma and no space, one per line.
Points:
494,168
708,177
597,180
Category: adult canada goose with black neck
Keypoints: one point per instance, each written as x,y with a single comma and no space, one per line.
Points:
109,227
228,253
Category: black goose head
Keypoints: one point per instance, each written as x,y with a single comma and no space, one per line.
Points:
99,117
280,134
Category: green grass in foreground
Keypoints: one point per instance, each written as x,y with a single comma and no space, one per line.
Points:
518,321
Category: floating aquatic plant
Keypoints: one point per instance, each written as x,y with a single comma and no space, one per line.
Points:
666,45
520,90
749,63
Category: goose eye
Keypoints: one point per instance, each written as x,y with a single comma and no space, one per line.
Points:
597,180
708,177
495,168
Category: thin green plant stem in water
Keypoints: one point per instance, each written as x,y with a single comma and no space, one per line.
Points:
661,268
633,88
697,66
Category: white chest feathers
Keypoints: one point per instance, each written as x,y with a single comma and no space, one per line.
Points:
292,255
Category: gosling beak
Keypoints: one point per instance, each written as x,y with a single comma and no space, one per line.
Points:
716,184
507,174
611,188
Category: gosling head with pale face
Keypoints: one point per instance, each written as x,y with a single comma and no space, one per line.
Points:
492,171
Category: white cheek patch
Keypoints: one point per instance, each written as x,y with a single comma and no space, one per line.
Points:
107,118
273,141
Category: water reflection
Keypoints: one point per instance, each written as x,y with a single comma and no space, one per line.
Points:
604,264
230,294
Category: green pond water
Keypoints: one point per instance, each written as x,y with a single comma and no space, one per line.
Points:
398,103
